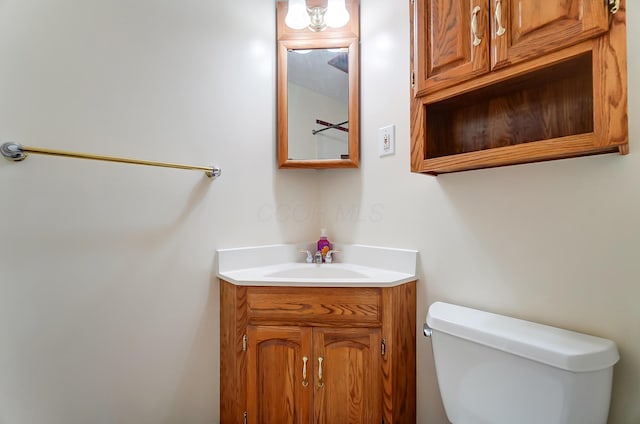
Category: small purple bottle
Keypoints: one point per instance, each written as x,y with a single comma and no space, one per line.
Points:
324,245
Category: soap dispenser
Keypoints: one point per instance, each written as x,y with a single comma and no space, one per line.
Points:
324,245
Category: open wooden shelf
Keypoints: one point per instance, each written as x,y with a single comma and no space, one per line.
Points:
550,103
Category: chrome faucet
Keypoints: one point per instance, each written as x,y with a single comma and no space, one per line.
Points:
309,257
318,257
328,258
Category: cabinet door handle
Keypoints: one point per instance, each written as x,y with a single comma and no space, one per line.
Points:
474,26
305,382
501,30
320,382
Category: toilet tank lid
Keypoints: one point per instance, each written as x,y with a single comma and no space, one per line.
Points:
553,346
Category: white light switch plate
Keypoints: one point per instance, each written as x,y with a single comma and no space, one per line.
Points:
387,140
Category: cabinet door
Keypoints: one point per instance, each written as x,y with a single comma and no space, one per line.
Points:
347,376
452,44
277,390
523,29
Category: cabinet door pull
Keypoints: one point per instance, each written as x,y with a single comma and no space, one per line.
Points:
614,6
474,26
501,29
320,382
305,382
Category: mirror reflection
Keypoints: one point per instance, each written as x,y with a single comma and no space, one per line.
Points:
318,103
318,90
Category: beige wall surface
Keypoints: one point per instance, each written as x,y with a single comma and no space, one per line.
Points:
555,242
108,298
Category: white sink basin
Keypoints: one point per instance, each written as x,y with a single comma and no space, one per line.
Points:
282,265
317,271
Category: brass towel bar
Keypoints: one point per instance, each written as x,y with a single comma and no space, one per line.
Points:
17,152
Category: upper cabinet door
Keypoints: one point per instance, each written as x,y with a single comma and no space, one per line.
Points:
452,43
524,29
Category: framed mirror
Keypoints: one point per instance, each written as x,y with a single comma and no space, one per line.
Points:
318,94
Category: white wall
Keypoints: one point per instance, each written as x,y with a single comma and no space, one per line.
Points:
108,301
555,242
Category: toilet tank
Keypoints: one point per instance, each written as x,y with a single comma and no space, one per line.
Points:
494,369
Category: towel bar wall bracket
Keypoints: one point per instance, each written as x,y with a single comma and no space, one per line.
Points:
16,152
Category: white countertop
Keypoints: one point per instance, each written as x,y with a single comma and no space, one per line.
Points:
283,265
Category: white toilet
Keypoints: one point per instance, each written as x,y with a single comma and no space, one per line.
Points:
494,369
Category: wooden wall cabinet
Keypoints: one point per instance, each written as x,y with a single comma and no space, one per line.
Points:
317,355
499,82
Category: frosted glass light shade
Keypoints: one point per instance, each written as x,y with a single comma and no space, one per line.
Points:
337,15
297,16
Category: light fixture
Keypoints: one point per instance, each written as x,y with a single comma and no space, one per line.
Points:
337,15
316,18
297,16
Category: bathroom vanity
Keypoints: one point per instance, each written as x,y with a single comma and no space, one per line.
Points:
330,348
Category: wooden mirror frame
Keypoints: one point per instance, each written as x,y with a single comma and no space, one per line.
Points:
347,37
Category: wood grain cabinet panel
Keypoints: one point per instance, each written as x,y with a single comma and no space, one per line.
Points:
349,390
280,364
447,51
525,29
347,306
276,391
502,82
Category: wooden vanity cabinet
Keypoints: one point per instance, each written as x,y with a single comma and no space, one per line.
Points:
317,355
498,82
298,373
